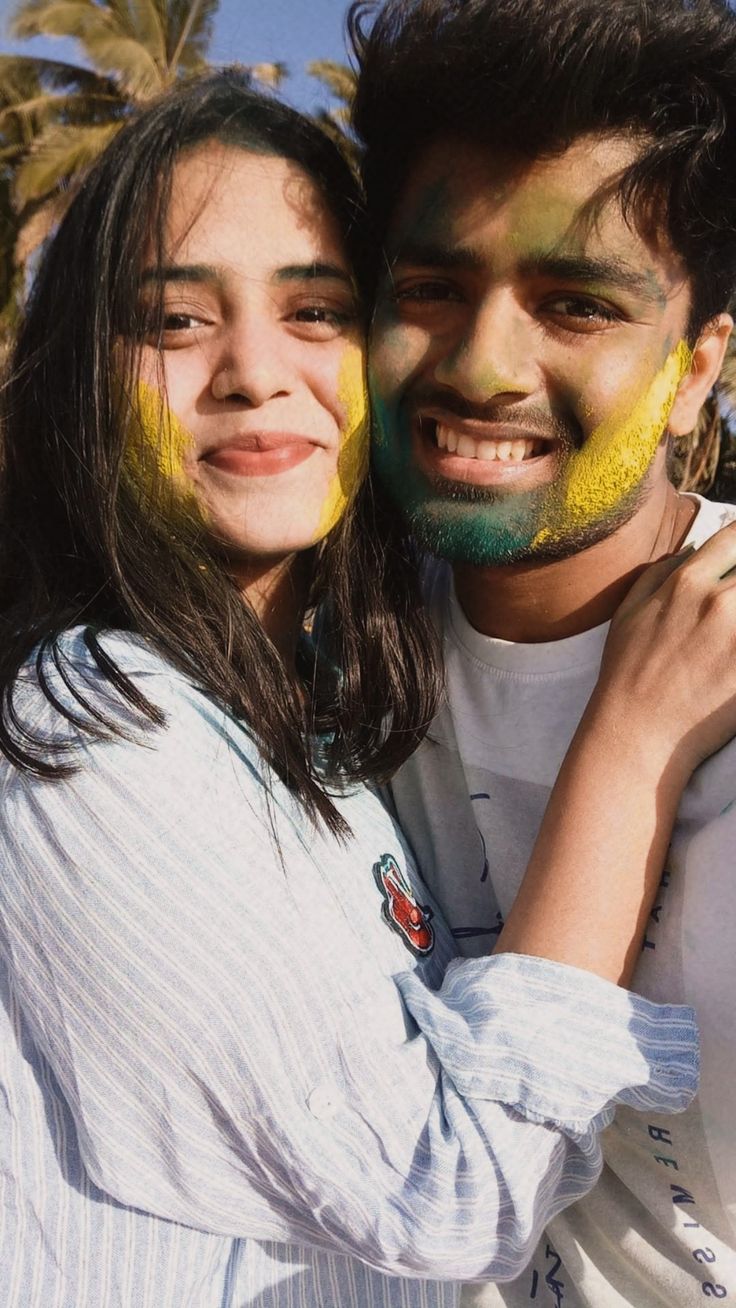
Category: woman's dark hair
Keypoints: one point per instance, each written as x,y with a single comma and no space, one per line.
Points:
79,543
533,75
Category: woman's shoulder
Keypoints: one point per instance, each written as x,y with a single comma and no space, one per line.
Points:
80,672
88,692
83,650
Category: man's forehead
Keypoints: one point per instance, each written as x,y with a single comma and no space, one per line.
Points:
457,188
479,205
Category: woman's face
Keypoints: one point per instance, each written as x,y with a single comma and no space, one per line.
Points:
261,358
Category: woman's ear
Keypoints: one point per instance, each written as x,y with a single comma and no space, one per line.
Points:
707,357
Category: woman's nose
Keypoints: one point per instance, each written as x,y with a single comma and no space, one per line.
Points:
253,363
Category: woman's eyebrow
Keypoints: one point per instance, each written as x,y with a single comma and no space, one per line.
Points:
181,272
199,272
309,272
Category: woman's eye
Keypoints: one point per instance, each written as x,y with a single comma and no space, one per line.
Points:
323,313
180,322
317,313
322,322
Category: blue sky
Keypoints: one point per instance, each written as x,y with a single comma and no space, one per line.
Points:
246,31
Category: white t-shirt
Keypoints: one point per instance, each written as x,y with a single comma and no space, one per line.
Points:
659,1230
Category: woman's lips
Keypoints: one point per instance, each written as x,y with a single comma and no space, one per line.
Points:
261,455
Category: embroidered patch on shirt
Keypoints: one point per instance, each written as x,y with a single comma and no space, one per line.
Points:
400,908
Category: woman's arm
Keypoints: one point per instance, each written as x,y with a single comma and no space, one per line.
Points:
665,700
248,1048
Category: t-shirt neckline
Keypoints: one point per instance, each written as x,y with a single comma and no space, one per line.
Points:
575,652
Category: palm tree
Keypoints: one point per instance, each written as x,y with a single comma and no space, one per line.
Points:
15,139
706,460
56,117
340,82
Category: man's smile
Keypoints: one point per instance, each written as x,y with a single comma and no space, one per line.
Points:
482,453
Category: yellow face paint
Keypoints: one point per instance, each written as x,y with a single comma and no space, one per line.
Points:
157,441
616,455
352,459
155,454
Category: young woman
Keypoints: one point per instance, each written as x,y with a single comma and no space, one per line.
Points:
240,1062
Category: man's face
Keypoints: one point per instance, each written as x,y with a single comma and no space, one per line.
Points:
526,355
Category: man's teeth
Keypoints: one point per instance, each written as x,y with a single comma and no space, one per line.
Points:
469,448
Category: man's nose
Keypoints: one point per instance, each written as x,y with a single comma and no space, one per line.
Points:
252,363
493,358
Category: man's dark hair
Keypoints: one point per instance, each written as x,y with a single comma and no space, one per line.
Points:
531,76
80,542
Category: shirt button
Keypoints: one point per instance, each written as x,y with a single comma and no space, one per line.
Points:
323,1102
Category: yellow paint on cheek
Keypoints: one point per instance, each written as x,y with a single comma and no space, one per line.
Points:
352,459
617,454
157,442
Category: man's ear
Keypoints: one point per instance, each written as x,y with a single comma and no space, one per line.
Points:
700,380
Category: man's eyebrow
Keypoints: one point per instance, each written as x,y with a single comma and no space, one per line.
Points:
310,272
433,254
181,272
583,268
580,268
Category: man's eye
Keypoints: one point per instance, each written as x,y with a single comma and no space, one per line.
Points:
425,292
582,309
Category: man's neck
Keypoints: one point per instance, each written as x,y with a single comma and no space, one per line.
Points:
533,602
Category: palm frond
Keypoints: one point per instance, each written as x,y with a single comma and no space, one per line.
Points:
345,143
696,456
268,74
77,19
129,64
144,21
189,32
60,152
338,78
74,108
727,379
97,28
39,224
53,74
18,80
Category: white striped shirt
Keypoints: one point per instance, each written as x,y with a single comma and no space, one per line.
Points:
226,1080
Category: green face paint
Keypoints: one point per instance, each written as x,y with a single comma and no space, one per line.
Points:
526,311
485,526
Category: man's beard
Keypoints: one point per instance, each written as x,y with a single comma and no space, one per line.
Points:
462,540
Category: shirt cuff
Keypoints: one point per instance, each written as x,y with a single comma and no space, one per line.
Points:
553,1042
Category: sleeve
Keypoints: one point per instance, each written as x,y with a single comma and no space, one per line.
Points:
193,984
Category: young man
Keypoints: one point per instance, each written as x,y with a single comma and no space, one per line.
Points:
554,182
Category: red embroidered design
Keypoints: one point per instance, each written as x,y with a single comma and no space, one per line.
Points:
400,908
